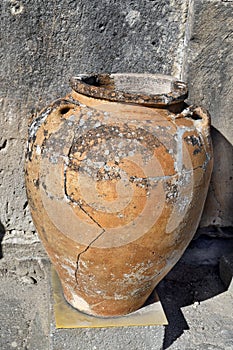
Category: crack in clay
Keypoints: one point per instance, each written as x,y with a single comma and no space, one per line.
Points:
86,249
90,244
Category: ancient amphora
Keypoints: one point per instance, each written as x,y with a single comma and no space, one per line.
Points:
117,174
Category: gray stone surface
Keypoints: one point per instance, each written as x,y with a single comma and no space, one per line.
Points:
127,338
208,69
209,325
44,43
24,308
208,63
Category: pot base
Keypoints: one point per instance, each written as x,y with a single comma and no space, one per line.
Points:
68,317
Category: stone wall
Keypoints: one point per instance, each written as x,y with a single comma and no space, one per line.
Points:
44,43
208,69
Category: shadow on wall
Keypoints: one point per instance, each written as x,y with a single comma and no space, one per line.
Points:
219,203
2,233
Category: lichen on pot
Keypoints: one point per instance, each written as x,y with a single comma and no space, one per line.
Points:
117,174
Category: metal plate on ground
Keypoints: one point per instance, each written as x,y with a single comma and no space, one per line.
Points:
68,317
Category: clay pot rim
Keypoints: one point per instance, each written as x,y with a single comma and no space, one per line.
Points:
106,86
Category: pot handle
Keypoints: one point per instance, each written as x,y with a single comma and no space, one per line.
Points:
199,114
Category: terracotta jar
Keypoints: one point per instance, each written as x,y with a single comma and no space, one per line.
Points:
117,174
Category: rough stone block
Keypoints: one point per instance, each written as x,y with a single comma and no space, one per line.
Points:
25,312
208,63
208,68
137,338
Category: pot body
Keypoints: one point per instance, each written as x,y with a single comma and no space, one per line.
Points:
116,191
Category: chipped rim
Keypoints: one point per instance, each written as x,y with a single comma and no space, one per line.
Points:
102,86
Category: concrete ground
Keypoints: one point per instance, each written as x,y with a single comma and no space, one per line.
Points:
198,305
